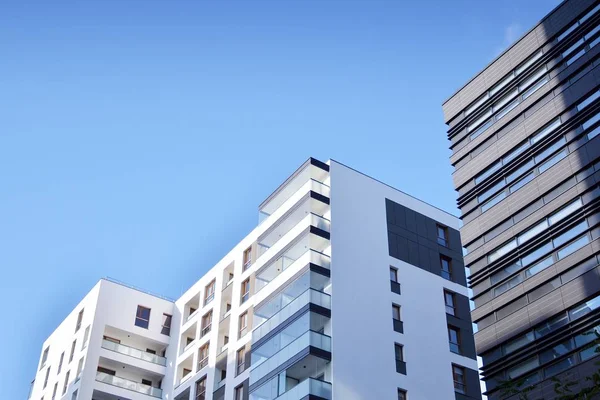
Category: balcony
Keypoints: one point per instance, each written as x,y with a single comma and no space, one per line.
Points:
129,385
308,339
132,352
311,173
309,296
309,387
306,249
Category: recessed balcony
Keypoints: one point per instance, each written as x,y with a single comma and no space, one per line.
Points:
308,387
114,380
112,376
133,352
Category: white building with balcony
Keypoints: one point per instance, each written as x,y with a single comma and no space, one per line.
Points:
347,289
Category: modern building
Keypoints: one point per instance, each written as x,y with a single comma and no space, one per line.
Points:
525,152
347,289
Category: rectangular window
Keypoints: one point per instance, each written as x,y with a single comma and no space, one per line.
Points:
209,292
72,350
399,355
402,394
442,235
54,391
241,362
86,336
247,260
454,339
449,300
66,385
203,356
239,392
106,371
393,274
245,291
142,317
60,362
206,323
79,367
458,375
446,267
111,339
243,324
166,324
74,396
44,357
201,388
46,379
79,320
396,312
147,382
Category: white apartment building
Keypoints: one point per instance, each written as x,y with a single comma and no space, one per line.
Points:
347,289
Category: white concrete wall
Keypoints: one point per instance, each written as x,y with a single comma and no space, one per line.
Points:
363,338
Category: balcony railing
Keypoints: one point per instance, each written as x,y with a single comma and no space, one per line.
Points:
310,184
310,338
310,219
309,296
132,352
129,385
306,388
283,262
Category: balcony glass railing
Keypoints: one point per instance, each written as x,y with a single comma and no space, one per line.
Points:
129,385
282,263
309,296
130,351
310,338
310,219
308,387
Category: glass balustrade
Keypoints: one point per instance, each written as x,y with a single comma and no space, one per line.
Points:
129,385
309,296
310,338
130,351
308,387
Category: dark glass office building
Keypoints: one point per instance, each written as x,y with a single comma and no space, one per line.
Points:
526,153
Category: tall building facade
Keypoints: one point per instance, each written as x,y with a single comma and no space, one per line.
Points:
347,289
526,158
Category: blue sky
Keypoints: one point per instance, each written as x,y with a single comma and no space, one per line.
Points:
137,138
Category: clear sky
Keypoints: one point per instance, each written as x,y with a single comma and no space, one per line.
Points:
137,138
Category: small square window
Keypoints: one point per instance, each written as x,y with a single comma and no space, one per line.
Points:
142,317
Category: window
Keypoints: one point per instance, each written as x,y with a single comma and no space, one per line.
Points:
203,356
449,300
458,374
393,274
188,341
60,362
44,357
142,317
148,382
247,258
206,323
396,312
442,235
106,371
201,388
245,291
46,379
74,396
241,362
399,354
402,394
454,339
79,368
79,319
243,324
110,339
72,350
86,336
166,324
209,292
239,392
66,385
446,264
186,372
54,391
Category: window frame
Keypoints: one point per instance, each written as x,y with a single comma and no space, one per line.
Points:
243,329
245,291
247,259
139,317
443,272
442,240
452,307
460,386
